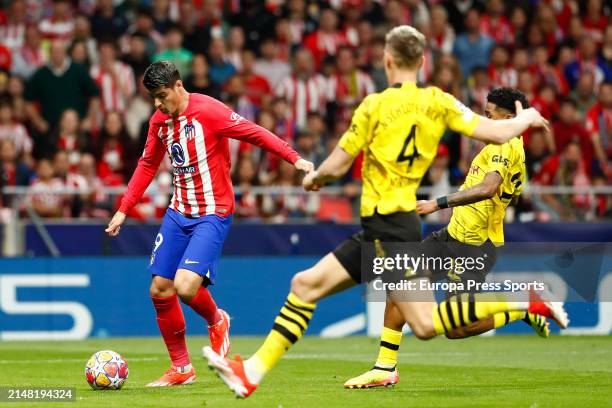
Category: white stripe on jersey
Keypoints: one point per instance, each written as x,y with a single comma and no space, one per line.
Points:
207,185
178,204
188,183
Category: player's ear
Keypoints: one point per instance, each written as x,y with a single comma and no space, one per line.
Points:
421,62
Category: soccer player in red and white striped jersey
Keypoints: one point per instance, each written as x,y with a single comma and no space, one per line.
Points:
193,129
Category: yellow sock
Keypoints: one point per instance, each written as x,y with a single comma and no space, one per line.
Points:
502,319
289,325
389,346
466,309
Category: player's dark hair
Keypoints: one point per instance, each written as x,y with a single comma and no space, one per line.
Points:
160,73
506,97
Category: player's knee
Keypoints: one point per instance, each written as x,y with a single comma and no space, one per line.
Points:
304,286
161,288
185,291
423,330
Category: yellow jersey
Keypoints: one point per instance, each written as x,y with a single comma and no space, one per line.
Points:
477,222
399,130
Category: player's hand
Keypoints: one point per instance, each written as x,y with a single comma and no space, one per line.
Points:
114,226
532,116
309,182
304,165
424,207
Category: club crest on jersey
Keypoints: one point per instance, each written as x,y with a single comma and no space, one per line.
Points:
178,156
189,131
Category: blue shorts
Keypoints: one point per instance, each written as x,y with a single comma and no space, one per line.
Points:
189,243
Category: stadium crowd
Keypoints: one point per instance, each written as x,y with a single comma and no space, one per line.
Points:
73,111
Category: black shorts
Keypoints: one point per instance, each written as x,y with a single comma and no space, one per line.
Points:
442,245
396,227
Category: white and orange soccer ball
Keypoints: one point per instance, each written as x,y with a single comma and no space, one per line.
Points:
106,370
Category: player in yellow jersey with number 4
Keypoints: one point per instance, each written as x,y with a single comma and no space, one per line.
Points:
398,130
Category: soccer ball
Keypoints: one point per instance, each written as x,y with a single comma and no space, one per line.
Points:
106,370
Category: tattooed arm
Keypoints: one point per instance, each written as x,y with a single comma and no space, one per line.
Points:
482,191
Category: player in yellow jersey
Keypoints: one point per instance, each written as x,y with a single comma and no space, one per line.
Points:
398,130
494,180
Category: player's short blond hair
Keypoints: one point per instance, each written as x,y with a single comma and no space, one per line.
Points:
406,44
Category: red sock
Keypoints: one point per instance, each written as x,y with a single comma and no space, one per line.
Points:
172,327
205,306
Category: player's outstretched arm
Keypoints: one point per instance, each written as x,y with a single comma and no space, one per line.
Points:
334,167
142,177
482,191
500,131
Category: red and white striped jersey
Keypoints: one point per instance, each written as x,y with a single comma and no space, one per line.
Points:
114,91
197,143
303,96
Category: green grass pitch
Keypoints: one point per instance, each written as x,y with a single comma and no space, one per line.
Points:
512,371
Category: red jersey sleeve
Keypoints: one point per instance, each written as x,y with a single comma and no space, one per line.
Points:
145,171
226,123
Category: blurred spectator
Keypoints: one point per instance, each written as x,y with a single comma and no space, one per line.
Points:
60,24
42,198
438,178
376,67
568,128
13,172
247,205
441,34
594,21
199,81
106,22
160,10
584,94
114,150
309,147
6,60
305,90
599,126
587,60
69,137
518,27
137,57
58,86
235,46
13,27
256,22
536,152
139,111
269,65
479,86
96,203
326,39
300,23
257,87
348,86
220,70
143,26
234,96
494,24
500,73
606,49
78,54
565,169
82,32
472,48
15,132
174,51
30,56
546,21
15,91
114,78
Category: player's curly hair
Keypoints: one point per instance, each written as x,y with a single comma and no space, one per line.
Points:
160,73
506,97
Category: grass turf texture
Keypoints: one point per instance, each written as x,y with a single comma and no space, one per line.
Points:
522,371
